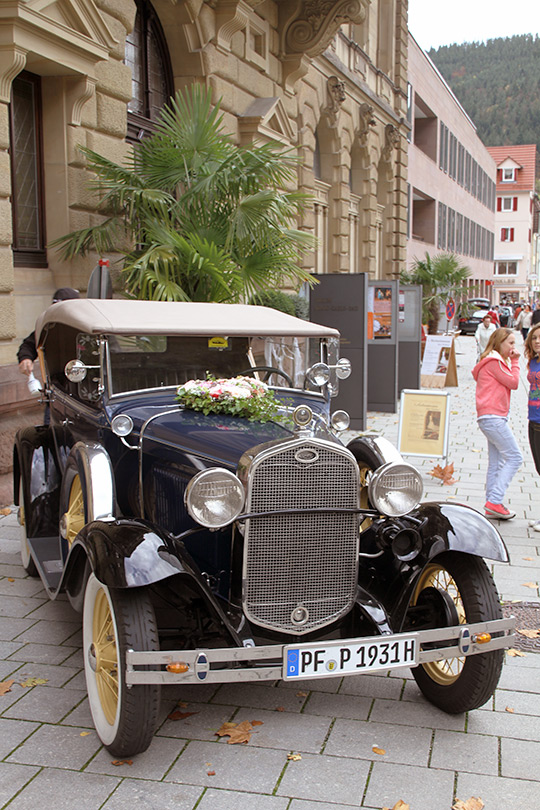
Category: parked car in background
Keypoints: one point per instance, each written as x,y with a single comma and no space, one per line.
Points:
469,325
479,303
212,528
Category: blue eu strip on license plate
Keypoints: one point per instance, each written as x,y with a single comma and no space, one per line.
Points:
348,657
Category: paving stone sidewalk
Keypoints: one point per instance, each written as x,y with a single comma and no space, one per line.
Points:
50,756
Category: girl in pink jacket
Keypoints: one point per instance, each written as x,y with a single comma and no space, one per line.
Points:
496,375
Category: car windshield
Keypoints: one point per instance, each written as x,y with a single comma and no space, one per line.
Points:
140,362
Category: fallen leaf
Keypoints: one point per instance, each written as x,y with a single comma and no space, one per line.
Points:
182,705
10,579
533,585
444,473
84,733
34,682
377,750
473,803
5,511
474,450
5,686
528,558
240,733
294,757
122,762
176,715
529,633
279,709
257,723
302,694
509,710
210,773
515,653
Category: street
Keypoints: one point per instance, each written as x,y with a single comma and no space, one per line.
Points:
359,741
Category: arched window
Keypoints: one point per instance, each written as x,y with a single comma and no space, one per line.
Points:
148,57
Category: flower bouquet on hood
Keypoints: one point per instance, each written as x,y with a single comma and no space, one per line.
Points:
236,396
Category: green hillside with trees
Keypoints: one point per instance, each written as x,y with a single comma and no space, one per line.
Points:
498,84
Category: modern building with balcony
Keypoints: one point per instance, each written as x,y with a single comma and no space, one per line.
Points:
451,177
515,261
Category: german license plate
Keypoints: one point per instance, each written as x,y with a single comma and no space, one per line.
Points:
348,657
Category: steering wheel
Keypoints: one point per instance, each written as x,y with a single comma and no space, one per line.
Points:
269,371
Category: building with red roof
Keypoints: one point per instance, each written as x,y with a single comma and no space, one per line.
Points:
514,269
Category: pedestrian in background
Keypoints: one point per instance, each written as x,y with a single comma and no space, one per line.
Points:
536,314
532,355
494,315
496,375
483,334
524,321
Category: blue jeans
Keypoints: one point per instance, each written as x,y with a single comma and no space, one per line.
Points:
504,456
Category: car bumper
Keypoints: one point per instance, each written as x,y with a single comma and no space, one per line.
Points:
239,664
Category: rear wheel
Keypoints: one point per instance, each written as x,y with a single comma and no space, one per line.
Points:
458,589
26,558
115,620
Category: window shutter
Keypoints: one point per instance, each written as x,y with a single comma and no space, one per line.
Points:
499,203
515,204
529,235
502,234
511,235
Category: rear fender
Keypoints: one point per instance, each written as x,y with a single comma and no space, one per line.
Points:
34,460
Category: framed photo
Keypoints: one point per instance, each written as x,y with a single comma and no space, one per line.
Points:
424,423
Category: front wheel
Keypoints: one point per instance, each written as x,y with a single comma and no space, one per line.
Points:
115,620
459,588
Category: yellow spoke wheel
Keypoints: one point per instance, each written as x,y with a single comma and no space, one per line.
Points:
106,656
74,519
458,589
115,620
448,670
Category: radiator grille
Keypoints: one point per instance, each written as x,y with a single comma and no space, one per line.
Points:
304,561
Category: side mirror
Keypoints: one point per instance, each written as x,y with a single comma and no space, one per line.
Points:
75,370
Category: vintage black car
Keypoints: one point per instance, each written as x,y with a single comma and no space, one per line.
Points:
212,548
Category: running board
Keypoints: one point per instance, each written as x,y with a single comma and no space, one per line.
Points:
44,551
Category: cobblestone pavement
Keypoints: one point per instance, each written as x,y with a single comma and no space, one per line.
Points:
50,756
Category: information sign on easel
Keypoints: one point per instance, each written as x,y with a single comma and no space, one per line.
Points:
439,362
424,423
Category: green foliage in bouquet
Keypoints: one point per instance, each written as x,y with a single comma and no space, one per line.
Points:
237,396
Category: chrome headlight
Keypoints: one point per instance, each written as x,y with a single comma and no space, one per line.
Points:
340,420
122,424
395,488
214,498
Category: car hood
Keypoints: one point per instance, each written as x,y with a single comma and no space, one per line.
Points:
217,438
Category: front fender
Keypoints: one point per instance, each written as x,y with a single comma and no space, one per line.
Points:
456,527
125,554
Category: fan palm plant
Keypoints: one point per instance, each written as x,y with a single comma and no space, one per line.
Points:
195,217
441,277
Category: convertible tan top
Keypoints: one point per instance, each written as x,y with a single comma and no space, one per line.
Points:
125,317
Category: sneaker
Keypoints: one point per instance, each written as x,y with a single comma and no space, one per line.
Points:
535,524
497,510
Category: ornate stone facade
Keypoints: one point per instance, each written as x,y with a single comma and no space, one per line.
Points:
325,77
